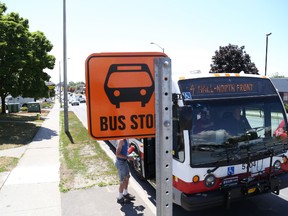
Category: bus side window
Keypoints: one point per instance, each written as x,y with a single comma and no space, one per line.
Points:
178,140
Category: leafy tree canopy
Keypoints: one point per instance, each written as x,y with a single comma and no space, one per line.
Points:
277,75
76,87
23,57
232,59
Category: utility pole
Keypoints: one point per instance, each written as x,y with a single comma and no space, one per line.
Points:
65,70
60,86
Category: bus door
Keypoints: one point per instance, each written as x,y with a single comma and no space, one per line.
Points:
149,158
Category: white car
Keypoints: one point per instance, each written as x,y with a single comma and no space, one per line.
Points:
75,103
82,100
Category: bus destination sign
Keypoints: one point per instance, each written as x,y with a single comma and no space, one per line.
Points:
224,87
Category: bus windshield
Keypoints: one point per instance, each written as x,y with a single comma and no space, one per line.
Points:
226,132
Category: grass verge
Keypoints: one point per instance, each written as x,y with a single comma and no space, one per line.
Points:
7,163
16,130
84,164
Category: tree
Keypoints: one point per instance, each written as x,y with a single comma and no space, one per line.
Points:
23,57
76,87
37,60
232,59
276,75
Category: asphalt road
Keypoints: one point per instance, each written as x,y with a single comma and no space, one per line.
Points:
268,204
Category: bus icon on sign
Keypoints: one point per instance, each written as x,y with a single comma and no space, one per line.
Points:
122,84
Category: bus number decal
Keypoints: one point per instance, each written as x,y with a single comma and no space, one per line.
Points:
252,164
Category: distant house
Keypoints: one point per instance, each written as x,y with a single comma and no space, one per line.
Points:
281,84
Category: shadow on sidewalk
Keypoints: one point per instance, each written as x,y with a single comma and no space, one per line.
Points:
44,133
132,210
150,190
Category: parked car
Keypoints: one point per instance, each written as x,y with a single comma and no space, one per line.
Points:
75,103
82,100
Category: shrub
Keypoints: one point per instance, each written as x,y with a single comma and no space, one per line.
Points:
24,109
286,107
45,105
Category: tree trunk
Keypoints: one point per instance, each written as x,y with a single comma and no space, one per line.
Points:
3,104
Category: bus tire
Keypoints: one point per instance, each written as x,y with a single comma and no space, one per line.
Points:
136,165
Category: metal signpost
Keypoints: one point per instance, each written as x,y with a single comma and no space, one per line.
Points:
163,110
125,93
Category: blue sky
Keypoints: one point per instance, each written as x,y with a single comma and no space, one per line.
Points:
190,31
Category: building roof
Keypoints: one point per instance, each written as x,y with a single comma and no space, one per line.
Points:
281,84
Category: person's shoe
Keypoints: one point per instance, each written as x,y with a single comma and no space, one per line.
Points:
129,197
123,201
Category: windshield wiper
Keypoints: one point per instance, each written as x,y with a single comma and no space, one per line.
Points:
274,149
251,151
229,154
207,147
234,146
256,129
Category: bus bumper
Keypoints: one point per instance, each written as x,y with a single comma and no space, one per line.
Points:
227,195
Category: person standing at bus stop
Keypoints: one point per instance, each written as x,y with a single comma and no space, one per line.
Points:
122,166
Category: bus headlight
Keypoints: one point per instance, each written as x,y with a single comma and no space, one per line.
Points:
210,180
277,165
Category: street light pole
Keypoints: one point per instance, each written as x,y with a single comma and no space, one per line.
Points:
65,70
158,46
267,35
60,95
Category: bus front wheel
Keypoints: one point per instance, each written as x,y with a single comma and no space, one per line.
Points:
136,164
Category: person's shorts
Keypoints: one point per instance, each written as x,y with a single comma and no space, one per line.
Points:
123,169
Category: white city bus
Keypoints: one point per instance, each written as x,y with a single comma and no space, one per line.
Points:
216,159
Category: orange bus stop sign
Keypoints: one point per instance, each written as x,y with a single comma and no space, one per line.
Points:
120,94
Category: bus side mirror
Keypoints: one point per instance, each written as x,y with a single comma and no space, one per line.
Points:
185,117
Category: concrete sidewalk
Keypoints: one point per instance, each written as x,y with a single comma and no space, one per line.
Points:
101,201
32,188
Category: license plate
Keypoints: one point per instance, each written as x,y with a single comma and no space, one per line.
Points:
230,181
